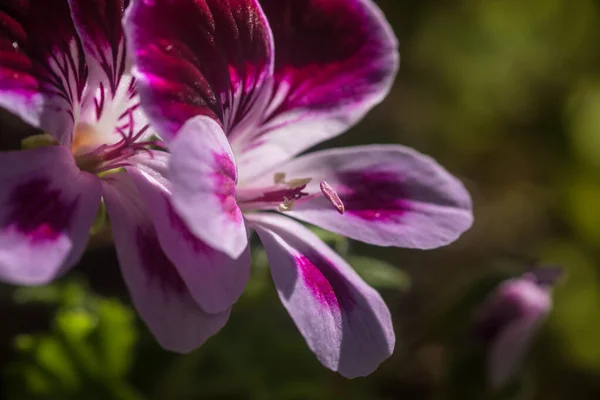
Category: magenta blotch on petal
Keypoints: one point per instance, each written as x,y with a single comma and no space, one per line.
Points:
98,23
203,178
325,282
42,66
319,91
158,292
39,212
392,195
225,176
199,57
47,207
344,321
214,280
374,195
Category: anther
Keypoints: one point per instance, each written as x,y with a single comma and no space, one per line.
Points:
331,195
296,183
287,205
279,177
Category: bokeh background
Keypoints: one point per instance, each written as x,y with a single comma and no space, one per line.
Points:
506,95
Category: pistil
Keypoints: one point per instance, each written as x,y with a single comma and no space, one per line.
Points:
331,195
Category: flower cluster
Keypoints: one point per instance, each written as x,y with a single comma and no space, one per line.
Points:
188,119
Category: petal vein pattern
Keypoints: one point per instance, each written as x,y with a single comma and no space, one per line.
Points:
344,321
158,291
42,66
214,61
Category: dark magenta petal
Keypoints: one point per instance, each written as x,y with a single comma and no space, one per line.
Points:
111,104
47,207
344,321
329,53
42,67
199,57
159,293
334,60
98,23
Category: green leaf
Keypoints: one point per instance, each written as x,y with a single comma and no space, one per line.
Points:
35,141
380,274
115,337
87,353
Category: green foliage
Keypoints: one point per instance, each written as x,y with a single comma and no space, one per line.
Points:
86,354
379,274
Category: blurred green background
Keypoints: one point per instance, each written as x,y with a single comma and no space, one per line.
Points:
506,95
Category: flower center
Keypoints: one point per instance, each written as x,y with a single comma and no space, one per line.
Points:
285,193
85,138
92,155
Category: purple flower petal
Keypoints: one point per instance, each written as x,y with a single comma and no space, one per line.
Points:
98,23
111,105
214,279
344,321
47,207
334,60
391,195
158,292
42,67
199,57
509,322
204,177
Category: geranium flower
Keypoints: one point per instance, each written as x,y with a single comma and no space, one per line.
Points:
64,69
239,88
509,320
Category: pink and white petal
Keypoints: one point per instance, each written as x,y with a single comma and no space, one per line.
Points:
112,105
47,208
344,321
526,304
214,280
320,90
213,61
159,294
203,177
509,350
98,23
42,67
392,195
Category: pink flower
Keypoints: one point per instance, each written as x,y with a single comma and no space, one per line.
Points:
64,69
510,319
238,89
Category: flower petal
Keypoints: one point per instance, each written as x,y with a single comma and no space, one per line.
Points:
98,23
112,105
214,279
509,350
204,176
158,292
47,207
510,319
392,196
334,60
199,57
344,321
42,67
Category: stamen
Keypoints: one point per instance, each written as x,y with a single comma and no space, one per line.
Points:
279,177
296,183
331,195
287,205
